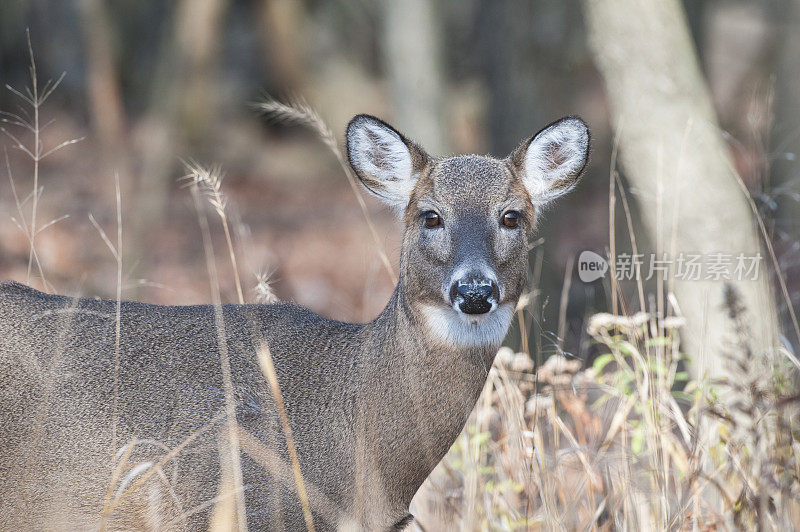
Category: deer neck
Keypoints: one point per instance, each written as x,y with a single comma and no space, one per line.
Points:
421,394
407,339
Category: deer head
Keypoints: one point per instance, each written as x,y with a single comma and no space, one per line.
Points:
468,220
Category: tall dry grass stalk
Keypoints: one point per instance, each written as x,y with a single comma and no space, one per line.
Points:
225,367
142,472
774,259
116,252
297,111
209,181
28,122
268,368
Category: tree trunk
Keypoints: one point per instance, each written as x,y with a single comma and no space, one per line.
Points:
514,81
105,95
785,175
182,103
672,152
412,52
285,43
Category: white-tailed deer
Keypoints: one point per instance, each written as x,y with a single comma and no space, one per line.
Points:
373,407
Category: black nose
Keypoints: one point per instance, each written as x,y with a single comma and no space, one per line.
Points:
474,295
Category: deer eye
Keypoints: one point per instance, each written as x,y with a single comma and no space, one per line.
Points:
431,219
510,219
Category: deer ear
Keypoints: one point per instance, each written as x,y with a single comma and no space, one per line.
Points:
387,163
551,161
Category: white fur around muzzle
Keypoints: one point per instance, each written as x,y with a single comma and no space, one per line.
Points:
454,328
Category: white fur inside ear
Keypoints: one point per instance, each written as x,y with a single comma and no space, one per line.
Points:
384,162
554,159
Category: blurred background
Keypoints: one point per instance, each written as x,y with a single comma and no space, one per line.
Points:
149,84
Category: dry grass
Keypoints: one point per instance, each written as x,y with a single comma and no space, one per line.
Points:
18,126
622,444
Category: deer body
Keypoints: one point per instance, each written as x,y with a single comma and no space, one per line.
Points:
372,407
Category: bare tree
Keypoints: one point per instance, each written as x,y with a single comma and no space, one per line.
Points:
412,52
183,103
105,95
673,154
285,43
785,174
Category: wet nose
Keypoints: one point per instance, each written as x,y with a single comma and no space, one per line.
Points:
474,295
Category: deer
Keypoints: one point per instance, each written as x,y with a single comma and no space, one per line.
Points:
87,414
